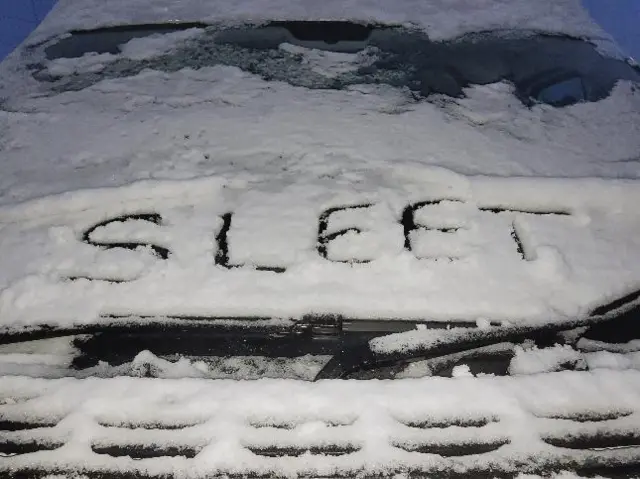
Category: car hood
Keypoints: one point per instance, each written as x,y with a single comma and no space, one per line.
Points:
418,243
214,192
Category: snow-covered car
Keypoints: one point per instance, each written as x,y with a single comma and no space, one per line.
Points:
216,216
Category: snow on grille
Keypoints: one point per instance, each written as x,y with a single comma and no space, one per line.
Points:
442,427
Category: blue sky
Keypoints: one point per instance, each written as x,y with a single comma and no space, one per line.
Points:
619,17
17,19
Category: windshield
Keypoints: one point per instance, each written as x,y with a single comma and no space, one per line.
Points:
549,69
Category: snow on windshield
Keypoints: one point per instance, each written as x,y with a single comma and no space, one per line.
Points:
547,69
440,18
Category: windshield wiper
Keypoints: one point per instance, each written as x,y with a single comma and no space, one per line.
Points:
356,346
616,322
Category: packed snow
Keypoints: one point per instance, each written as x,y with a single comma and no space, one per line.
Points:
571,263
216,192
380,421
277,201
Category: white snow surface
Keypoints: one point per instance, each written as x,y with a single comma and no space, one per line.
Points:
575,261
223,421
194,145
534,360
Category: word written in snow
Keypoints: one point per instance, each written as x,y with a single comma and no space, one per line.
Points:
409,221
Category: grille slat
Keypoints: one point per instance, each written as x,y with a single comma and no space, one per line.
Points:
139,451
12,447
293,451
603,440
476,422
289,425
454,450
589,416
11,425
158,426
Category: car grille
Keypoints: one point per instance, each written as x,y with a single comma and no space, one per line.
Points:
437,427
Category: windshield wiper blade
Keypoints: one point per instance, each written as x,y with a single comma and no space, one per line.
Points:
121,341
618,320
348,341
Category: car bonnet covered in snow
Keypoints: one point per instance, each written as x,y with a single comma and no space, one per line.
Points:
187,172
186,186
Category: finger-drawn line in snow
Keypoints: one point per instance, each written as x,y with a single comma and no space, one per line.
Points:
325,238
154,218
410,224
516,235
222,251
408,220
